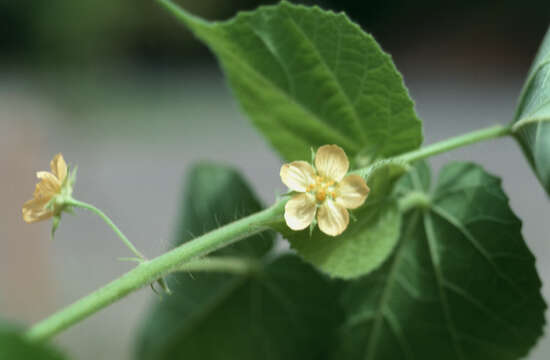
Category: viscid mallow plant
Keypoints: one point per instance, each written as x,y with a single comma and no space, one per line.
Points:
384,262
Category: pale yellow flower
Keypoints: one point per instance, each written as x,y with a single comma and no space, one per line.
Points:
324,190
51,185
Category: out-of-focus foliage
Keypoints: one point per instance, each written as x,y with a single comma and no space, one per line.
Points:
90,31
14,346
73,33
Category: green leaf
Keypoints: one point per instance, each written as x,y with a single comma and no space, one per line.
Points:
532,120
14,346
461,284
289,311
309,77
281,312
368,241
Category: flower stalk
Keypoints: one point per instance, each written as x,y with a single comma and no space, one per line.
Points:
110,223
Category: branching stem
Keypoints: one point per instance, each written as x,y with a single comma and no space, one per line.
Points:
151,270
174,260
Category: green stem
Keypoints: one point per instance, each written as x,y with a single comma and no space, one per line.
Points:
225,264
148,271
456,142
109,222
414,199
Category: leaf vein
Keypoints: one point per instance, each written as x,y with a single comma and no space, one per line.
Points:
430,237
477,245
332,74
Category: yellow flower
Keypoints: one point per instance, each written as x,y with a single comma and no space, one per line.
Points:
325,190
52,184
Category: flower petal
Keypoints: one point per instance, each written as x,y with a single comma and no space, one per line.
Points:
297,175
333,218
352,191
331,162
59,167
300,211
34,210
48,186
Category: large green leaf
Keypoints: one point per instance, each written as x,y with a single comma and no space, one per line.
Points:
462,283
308,77
281,312
532,120
14,346
289,311
368,241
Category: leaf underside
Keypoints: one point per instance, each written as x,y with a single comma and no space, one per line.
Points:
533,115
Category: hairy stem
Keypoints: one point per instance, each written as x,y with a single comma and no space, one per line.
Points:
148,271
225,264
151,270
456,142
414,199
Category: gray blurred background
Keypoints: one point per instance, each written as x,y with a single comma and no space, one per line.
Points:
122,90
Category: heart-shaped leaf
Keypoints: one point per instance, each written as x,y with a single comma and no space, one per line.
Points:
461,284
309,77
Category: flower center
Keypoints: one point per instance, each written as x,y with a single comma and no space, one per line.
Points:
321,188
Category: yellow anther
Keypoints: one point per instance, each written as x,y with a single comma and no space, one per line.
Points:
321,195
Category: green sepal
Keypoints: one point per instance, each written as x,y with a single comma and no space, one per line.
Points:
55,225
312,227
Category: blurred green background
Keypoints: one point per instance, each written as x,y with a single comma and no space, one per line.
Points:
127,93
89,34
